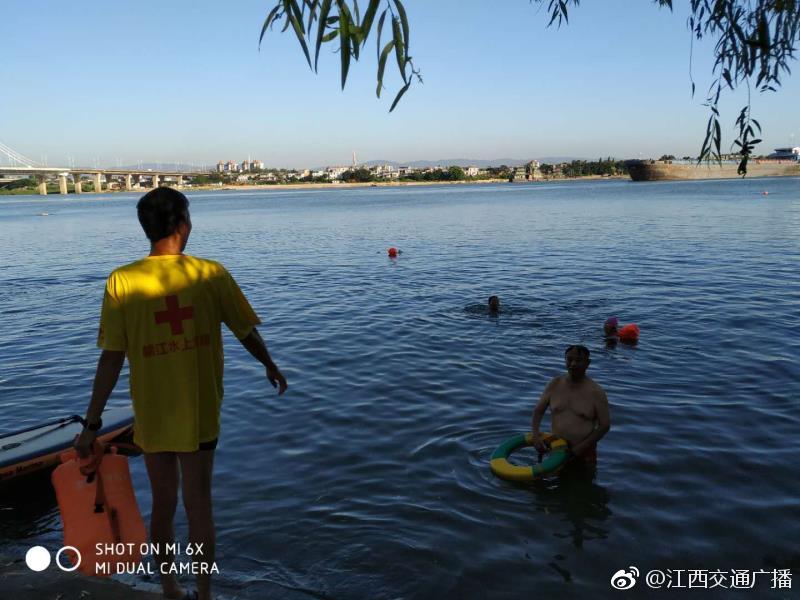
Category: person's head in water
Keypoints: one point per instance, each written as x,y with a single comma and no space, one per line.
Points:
577,361
164,212
610,327
494,303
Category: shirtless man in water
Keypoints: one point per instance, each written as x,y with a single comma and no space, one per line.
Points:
579,407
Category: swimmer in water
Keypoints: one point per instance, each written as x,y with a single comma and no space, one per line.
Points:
494,304
579,408
610,328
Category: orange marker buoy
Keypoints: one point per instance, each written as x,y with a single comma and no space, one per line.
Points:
629,333
98,506
392,252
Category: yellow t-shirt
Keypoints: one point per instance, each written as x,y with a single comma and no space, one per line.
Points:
165,313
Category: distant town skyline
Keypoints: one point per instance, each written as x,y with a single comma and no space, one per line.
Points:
99,86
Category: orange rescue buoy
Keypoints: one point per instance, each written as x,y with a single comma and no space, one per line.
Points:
392,252
98,507
629,333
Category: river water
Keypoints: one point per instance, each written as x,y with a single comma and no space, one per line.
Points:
370,477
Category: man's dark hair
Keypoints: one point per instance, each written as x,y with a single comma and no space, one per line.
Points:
160,212
582,350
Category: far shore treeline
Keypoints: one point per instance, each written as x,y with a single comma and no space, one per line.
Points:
603,167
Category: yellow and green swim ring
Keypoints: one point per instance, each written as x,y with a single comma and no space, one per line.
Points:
551,464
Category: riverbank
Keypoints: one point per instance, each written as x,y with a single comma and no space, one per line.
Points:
305,186
18,581
396,183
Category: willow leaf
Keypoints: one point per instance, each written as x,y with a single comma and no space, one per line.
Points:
298,30
287,8
380,29
352,34
323,17
742,169
312,13
402,91
564,11
270,18
298,13
398,48
369,17
382,65
344,42
401,11
330,36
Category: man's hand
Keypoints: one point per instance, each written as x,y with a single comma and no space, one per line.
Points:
255,345
83,442
276,378
538,443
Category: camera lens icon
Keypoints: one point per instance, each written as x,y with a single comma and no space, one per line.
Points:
38,559
77,555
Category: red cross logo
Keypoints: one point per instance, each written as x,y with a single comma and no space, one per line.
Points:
173,315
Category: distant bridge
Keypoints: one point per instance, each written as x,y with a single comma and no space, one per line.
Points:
130,178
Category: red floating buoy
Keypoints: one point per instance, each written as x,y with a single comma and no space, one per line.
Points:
629,333
392,252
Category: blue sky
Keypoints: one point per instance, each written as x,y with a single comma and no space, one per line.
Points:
183,81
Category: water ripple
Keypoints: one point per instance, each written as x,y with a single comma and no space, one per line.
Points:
370,478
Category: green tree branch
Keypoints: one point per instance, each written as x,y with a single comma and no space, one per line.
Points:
755,41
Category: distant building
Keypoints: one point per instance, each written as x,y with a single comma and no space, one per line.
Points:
785,154
388,171
257,165
245,165
220,167
532,170
336,172
471,171
385,171
518,174
435,169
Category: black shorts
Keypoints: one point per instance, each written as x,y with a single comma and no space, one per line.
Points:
210,445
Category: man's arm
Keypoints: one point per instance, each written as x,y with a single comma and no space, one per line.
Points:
538,413
603,425
105,378
256,346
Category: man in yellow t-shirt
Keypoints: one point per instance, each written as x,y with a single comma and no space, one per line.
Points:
165,313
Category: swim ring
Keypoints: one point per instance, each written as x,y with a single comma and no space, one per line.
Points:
551,464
